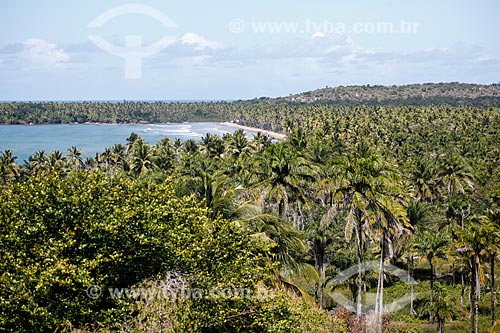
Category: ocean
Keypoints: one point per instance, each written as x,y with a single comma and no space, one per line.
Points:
25,140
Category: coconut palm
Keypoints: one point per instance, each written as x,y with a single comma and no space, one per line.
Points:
220,196
164,154
9,170
442,308
391,223
141,158
75,158
282,178
36,162
492,248
118,158
455,175
477,238
190,146
177,147
211,145
419,217
424,180
131,140
431,246
298,139
56,161
260,142
325,241
367,188
238,144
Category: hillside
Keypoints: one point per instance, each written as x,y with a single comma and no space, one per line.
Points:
429,93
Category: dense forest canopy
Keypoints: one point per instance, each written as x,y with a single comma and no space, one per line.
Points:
416,185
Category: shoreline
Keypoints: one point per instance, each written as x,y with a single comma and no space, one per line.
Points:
274,135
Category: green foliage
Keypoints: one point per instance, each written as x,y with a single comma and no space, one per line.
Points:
61,235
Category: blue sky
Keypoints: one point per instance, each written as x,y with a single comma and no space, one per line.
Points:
231,50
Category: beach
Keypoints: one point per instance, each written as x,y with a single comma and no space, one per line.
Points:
274,135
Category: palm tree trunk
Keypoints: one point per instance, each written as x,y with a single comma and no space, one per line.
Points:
477,293
410,275
440,325
453,276
431,293
478,280
379,303
492,292
472,296
463,286
322,278
317,285
359,236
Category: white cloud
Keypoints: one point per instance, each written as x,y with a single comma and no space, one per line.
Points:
328,59
41,51
33,54
318,35
198,42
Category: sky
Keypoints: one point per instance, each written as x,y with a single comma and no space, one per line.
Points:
226,50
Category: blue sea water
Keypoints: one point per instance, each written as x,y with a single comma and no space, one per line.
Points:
25,140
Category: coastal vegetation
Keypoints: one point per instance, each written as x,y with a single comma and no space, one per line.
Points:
416,186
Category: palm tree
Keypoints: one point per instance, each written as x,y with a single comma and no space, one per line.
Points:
36,162
492,248
9,170
211,145
75,158
391,222
260,142
221,197
455,174
164,154
177,147
118,158
298,139
281,178
442,307
477,238
320,238
131,140
367,189
190,146
238,144
56,161
431,246
419,217
423,179
90,163
141,158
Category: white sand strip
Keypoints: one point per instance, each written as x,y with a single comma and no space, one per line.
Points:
274,135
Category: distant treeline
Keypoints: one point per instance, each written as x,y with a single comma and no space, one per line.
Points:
106,112
251,111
